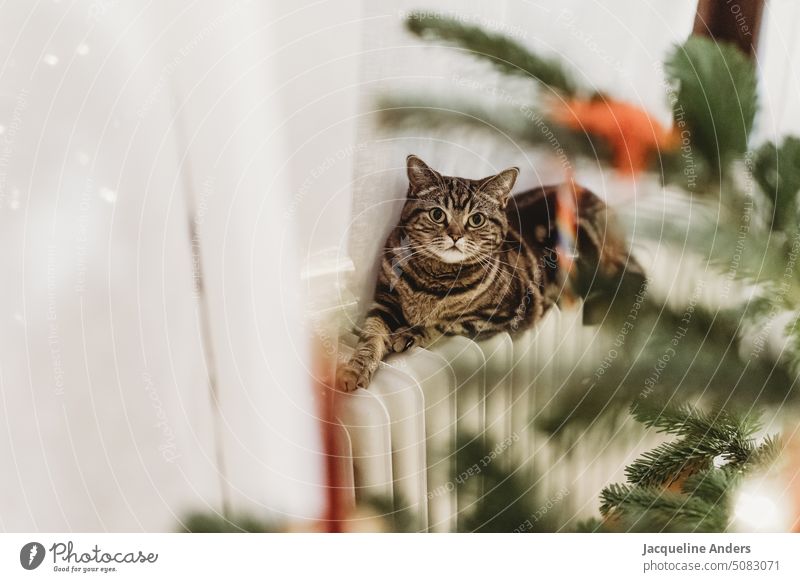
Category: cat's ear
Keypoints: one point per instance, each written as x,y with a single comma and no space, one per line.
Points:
420,176
499,186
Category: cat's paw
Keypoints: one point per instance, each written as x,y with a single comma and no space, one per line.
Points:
403,340
351,377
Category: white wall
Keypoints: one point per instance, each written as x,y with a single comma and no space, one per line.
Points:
779,86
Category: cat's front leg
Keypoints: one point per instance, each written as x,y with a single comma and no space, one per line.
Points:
373,345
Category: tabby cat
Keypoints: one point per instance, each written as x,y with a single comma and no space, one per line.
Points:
467,258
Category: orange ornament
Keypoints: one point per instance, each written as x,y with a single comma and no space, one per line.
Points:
630,131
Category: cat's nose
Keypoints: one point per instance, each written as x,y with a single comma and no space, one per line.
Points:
454,234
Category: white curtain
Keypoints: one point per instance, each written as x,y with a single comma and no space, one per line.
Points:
114,114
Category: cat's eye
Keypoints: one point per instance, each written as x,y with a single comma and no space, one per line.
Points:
476,220
437,215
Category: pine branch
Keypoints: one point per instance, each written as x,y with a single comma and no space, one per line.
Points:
667,461
507,55
504,500
719,375
729,434
777,171
616,495
717,99
696,454
519,122
793,348
691,514
654,509
433,113
766,453
650,501
714,485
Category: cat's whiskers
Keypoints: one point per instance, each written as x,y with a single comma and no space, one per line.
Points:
493,259
518,266
404,259
404,246
489,265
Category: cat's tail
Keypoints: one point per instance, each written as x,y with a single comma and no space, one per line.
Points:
605,272
582,247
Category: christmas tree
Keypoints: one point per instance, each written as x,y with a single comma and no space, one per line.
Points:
731,335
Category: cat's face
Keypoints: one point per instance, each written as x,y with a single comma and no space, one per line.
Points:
455,220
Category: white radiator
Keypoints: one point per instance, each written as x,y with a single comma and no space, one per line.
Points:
398,436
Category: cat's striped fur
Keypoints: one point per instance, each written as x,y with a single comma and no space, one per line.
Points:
445,272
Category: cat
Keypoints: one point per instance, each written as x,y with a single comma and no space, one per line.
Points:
468,258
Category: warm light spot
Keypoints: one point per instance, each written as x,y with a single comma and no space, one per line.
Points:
757,508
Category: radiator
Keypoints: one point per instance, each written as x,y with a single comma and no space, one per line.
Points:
397,438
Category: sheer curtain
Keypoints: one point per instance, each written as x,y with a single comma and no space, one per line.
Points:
128,128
